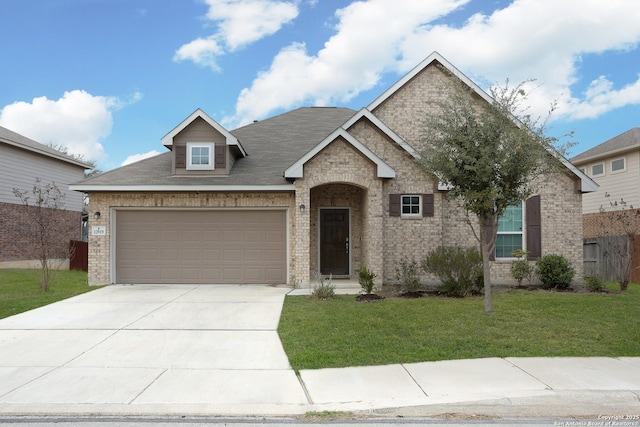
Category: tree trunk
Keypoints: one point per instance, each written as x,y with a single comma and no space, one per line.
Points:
487,242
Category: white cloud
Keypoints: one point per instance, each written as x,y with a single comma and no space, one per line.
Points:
239,23
137,157
368,42
541,39
77,121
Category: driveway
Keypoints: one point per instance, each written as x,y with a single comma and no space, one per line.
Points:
144,349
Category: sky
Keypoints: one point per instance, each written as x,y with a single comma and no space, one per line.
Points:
108,78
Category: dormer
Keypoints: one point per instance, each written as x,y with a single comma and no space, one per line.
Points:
201,146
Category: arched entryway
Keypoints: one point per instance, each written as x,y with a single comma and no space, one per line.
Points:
337,229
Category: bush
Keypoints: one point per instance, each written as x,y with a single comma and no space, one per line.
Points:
521,269
365,278
459,269
408,274
555,270
324,290
595,283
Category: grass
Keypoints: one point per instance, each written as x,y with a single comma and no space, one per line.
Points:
343,332
20,289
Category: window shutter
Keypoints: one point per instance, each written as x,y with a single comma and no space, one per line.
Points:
220,156
180,151
534,228
490,232
394,205
427,205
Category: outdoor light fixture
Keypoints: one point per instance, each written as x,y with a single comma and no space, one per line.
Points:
302,208
96,215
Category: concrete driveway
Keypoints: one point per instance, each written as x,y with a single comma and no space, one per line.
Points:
214,350
149,349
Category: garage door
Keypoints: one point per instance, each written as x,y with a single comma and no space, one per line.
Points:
220,246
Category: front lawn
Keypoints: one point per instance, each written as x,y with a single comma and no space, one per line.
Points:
344,332
20,289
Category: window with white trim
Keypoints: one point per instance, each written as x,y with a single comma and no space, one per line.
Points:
597,169
411,205
618,165
510,232
200,156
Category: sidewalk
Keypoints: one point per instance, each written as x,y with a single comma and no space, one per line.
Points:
214,351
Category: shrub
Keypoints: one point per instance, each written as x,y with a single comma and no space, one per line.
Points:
521,269
365,278
324,290
595,283
459,269
555,270
408,274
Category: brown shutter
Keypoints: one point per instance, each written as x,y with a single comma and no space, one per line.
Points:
180,151
427,205
534,228
220,156
491,231
394,205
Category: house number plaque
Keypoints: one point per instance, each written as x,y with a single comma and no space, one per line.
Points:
98,230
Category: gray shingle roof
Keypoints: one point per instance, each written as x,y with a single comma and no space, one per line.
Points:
624,141
15,139
272,146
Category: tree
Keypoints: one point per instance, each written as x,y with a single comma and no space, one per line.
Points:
488,153
46,231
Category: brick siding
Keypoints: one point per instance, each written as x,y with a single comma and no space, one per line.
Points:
17,227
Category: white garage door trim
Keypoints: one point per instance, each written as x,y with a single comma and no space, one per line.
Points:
114,223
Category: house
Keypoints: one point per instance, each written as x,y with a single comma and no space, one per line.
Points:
311,190
615,166
22,160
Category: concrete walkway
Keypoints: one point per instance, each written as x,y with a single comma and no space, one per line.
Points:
214,350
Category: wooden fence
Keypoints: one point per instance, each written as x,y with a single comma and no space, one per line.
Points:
79,259
607,256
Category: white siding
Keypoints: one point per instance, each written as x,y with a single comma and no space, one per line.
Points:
19,169
622,184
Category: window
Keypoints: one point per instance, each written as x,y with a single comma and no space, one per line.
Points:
618,165
509,235
200,156
410,205
597,169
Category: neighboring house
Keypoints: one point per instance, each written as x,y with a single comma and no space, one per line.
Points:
22,160
615,166
311,190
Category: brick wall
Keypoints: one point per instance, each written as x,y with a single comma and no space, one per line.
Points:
17,228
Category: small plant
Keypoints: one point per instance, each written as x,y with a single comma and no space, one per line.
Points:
459,269
520,268
555,271
324,290
595,283
365,278
408,274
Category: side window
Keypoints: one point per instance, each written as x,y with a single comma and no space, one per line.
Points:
618,165
597,169
510,232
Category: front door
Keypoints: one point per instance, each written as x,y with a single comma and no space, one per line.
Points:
334,242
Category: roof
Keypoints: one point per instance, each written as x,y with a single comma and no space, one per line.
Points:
14,139
623,142
272,145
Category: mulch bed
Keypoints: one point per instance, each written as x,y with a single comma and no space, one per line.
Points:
369,297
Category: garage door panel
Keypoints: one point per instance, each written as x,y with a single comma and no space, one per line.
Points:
156,246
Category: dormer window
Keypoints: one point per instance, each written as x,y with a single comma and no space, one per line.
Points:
200,156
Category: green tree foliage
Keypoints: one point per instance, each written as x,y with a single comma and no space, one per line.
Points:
489,152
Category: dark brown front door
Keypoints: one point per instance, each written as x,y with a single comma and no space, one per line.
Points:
334,241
